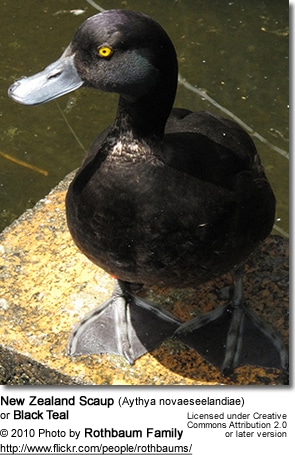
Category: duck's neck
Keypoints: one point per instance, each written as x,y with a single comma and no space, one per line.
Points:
146,116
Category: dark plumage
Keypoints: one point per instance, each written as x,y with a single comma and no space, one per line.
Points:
166,198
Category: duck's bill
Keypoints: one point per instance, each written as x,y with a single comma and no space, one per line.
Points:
57,79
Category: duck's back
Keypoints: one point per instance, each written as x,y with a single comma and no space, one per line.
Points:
208,147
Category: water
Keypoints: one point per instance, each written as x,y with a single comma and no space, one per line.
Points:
236,51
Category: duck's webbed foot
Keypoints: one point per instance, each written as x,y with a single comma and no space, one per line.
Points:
233,335
125,325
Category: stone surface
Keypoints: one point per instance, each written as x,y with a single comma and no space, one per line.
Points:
47,285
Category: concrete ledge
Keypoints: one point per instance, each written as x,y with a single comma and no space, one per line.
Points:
47,285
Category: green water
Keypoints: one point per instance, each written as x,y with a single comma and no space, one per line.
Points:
236,51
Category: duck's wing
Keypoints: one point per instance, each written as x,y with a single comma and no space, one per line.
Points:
217,129
208,147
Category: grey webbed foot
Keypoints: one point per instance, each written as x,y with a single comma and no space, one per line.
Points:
233,335
125,325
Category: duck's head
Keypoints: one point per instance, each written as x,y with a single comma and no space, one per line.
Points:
117,51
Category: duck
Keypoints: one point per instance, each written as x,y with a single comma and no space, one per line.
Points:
165,197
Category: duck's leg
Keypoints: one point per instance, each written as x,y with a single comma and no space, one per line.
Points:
233,335
125,325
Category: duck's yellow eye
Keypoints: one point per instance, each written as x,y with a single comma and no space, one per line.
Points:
105,51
